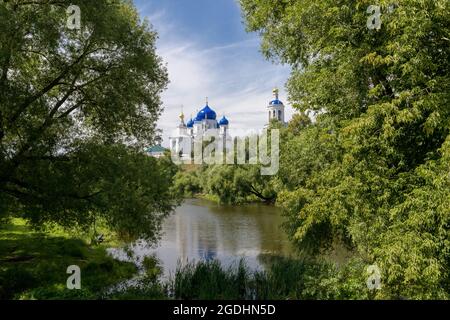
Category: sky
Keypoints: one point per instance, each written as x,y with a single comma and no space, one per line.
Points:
209,54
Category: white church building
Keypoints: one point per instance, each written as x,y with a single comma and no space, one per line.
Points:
205,123
181,143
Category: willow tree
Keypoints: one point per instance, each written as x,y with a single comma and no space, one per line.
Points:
373,170
79,98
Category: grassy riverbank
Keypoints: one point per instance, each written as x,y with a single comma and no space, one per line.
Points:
33,264
283,279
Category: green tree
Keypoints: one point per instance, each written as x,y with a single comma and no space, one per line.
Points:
240,183
237,184
298,122
373,169
76,109
187,183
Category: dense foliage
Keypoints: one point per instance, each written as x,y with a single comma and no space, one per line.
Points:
76,109
373,170
226,184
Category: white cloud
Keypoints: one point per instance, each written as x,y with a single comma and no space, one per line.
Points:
235,77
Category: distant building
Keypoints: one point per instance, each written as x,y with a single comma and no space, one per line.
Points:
156,151
276,108
182,141
204,123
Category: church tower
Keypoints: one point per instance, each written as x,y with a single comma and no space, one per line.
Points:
276,108
181,129
180,143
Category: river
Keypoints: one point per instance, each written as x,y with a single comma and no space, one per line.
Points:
203,230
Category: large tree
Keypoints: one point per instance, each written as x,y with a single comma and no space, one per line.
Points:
373,170
76,108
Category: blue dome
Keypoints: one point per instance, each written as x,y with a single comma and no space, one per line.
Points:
223,121
206,113
190,123
275,102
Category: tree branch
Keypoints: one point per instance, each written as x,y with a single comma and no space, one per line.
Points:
252,190
49,87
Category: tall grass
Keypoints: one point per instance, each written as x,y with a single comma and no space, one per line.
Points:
282,279
210,280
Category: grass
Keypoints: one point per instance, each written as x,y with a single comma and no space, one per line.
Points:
33,264
283,279
208,280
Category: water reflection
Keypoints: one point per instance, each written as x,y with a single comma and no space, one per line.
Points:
201,229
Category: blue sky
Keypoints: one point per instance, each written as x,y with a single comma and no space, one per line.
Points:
209,54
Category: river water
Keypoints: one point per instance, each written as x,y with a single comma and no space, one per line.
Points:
203,230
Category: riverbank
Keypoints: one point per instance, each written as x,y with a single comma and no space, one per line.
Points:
33,264
214,198
283,279
232,263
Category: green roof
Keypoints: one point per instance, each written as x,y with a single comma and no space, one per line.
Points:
156,149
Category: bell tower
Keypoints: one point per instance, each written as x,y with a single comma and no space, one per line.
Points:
276,108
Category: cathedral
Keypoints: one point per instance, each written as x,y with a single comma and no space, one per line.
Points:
206,123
